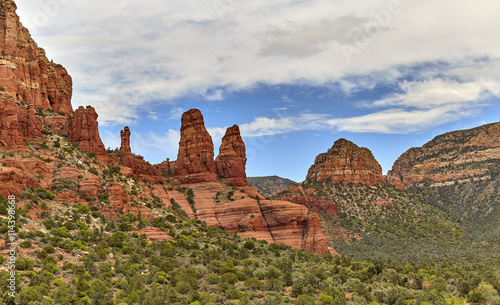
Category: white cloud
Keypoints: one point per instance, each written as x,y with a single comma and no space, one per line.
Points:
176,113
166,50
153,116
433,93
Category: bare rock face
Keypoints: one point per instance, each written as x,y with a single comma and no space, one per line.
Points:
297,194
231,161
195,162
274,221
58,124
294,225
89,186
25,72
17,124
85,132
346,163
154,234
14,180
137,163
451,156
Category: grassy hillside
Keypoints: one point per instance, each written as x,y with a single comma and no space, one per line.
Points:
381,222
78,258
473,202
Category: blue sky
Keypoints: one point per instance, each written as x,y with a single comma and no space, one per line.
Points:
295,75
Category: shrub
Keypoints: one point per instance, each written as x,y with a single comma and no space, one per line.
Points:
39,112
26,244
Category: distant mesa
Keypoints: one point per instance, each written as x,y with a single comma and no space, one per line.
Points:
346,163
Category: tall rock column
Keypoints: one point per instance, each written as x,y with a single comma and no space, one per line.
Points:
125,139
84,131
136,163
195,160
231,161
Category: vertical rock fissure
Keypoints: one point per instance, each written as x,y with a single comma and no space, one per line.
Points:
267,223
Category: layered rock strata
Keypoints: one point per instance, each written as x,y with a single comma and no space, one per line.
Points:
25,72
18,123
346,163
84,131
195,161
231,161
137,163
451,156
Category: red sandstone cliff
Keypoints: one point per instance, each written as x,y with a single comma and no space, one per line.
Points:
451,156
84,131
195,160
344,163
18,123
232,160
25,72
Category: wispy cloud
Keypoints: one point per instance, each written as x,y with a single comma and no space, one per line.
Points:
436,92
153,116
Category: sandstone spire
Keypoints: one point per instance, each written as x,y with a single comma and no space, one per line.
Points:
232,160
195,160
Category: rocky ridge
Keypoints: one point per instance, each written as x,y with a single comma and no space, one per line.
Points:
452,156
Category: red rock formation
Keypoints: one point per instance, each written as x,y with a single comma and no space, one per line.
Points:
84,131
136,163
275,221
294,225
25,72
58,124
231,161
17,124
125,139
195,161
306,198
89,186
344,163
14,180
154,234
451,156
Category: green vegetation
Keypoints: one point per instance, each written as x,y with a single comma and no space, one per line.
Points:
203,264
473,202
271,185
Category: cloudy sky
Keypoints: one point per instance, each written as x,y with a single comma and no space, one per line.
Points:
295,75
